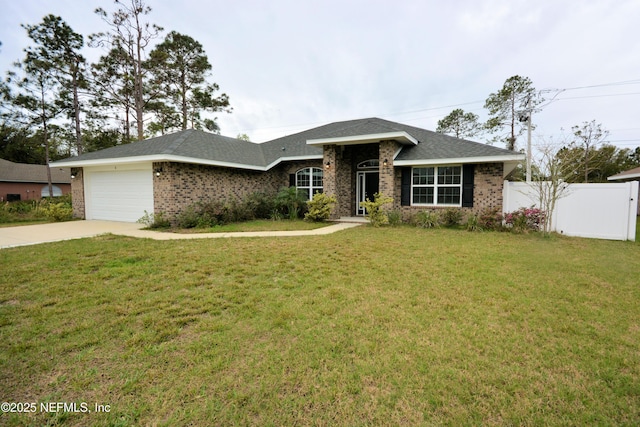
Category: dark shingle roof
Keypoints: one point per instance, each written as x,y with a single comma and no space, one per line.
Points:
194,144
22,172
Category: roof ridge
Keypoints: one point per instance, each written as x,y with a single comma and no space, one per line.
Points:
178,141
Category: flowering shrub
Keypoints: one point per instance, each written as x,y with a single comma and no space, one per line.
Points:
524,219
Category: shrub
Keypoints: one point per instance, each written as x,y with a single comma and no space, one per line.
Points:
524,220
58,212
375,214
55,208
490,219
451,217
20,207
260,204
320,207
426,219
290,202
473,224
395,218
155,221
188,218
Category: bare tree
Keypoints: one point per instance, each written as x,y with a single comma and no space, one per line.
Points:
549,183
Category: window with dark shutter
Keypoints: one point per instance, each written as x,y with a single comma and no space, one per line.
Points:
405,188
467,185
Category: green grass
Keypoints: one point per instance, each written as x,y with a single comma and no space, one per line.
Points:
258,225
389,326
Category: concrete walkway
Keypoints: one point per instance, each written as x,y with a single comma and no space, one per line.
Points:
43,233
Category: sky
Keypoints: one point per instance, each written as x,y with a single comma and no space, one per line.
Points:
288,66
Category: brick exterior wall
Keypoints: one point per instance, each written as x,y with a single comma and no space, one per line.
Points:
487,192
182,184
388,185
487,187
77,193
28,190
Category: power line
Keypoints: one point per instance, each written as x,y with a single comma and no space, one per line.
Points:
553,99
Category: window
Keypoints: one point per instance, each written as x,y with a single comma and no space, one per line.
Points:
438,185
309,181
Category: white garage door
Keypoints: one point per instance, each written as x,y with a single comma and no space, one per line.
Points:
118,195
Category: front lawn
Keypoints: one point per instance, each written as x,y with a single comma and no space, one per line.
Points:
389,326
257,225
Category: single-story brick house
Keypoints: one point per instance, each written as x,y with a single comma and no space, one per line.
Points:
22,181
352,160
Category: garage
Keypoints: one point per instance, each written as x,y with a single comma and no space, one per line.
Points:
118,193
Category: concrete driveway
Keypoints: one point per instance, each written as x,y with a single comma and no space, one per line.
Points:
54,232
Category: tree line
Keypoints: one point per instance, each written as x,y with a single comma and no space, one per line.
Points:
585,157
55,104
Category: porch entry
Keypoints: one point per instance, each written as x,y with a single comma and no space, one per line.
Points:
367,184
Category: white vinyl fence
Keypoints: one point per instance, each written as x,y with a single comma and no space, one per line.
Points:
600,211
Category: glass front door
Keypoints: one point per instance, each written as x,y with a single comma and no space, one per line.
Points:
367,184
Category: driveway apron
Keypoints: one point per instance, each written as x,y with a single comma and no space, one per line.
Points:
54,232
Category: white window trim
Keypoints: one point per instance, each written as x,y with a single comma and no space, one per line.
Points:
435,186
311,187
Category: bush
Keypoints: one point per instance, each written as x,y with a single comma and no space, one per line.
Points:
426,219
290,202
189,218
524,220
57,211
451,217
375,214
320,207
155,221
260,204
395,218
473,223
490,219
55,208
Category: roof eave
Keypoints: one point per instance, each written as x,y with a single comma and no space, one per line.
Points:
461,160
621,177
401,136
177,159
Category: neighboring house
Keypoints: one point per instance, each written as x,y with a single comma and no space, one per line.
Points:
352,160
21,181
630,175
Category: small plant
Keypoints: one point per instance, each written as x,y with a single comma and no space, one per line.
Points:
291,202
451,217
490,219
320,207
524,220
473,223
375,214
426,219
395,218
154,221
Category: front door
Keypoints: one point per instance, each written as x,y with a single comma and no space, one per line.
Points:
367,184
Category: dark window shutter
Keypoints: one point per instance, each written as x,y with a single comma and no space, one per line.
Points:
467,185
292,180
405,188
